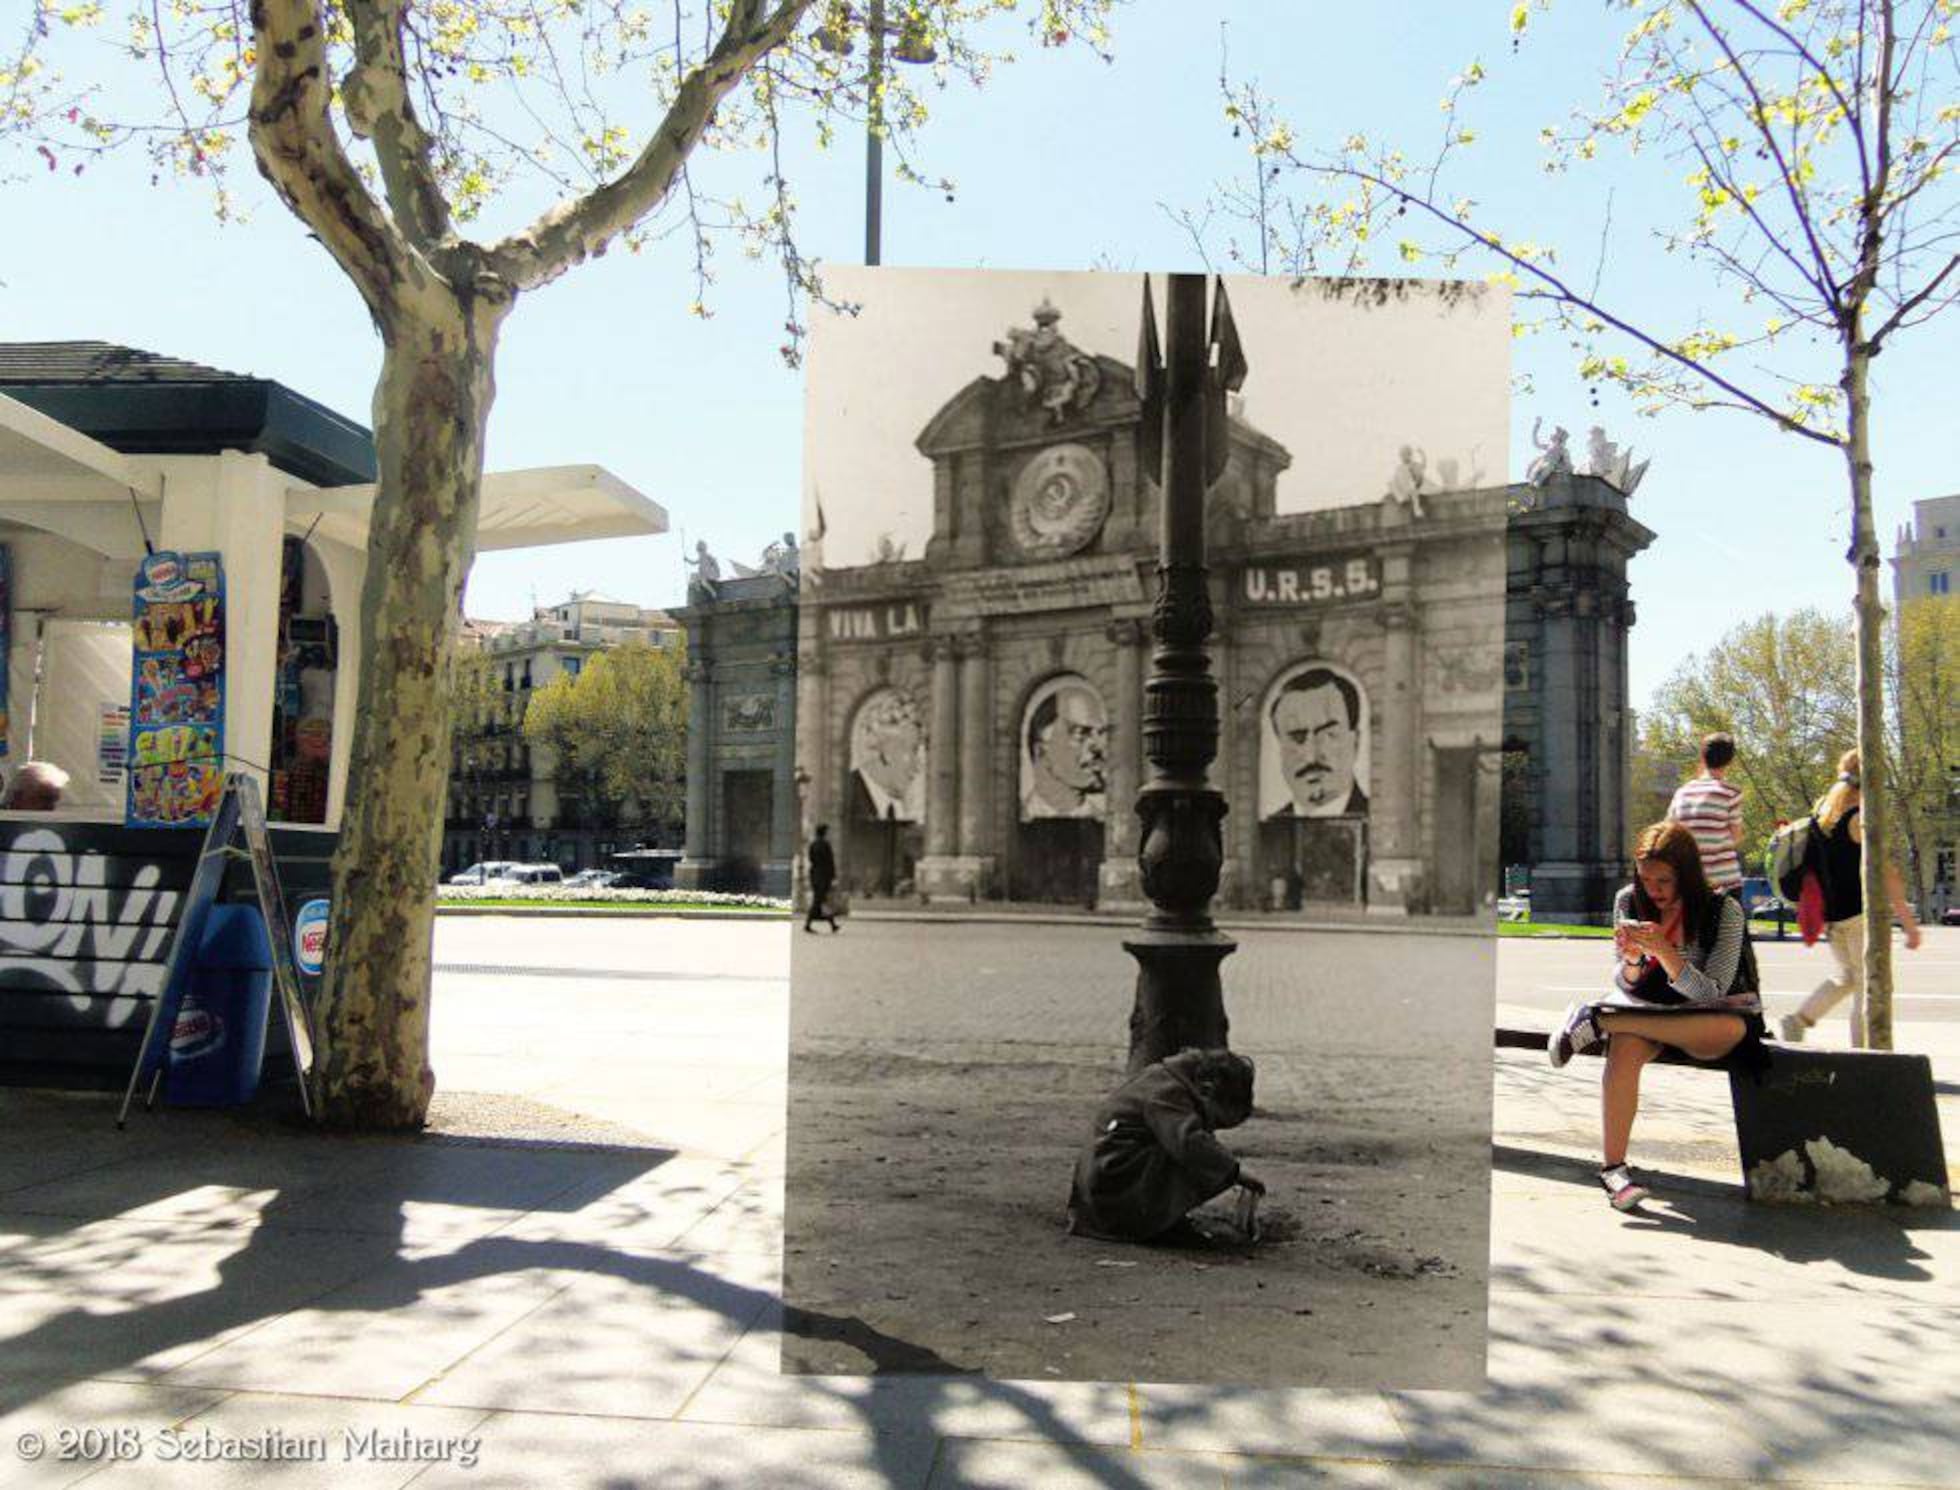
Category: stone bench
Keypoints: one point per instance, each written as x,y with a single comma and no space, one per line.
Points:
1825,1125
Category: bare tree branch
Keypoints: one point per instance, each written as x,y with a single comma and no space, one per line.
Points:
1910,304
1719,174
1759,115
1557,289
572,231
1852,112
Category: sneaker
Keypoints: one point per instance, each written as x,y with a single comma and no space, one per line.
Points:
1792,1028
1621,1188
1578,1030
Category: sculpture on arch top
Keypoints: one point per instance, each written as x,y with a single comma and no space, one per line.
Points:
1054,375
706,572
1606,460
1410,479
1554,458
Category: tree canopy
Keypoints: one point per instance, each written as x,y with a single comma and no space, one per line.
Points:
617,736
1817,143
522,136
1786,688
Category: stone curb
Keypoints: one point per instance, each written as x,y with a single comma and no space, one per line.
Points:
672,913
1133,923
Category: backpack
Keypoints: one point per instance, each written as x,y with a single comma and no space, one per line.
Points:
1795,850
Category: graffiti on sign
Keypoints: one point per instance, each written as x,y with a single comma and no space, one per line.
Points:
63,927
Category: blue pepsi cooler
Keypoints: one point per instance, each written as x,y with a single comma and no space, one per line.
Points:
218,1042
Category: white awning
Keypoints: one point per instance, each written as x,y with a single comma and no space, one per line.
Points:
520,509
58,479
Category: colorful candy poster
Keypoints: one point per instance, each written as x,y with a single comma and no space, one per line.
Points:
177,692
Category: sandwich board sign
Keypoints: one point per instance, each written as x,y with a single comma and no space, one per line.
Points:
239,815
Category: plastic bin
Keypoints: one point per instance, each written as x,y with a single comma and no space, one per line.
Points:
218,1043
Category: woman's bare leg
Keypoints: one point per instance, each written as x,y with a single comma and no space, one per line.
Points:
1706,1037
1619,1094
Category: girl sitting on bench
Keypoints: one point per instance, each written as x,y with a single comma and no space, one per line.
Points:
1685,977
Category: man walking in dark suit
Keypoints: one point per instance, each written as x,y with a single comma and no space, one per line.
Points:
823,874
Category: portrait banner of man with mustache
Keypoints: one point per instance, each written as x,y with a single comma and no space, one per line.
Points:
1065,750
1314,756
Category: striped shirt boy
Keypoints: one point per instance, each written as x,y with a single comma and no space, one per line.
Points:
1712,811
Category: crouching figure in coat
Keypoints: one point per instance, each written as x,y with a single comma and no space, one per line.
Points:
1153,1158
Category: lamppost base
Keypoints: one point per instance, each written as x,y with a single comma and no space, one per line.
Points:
1180,999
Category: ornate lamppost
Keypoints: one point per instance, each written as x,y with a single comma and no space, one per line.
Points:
1182,435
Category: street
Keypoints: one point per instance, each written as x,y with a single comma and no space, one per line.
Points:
943,1078
909,1026
1549,974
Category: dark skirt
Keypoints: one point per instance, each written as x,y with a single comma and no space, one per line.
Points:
1748,1054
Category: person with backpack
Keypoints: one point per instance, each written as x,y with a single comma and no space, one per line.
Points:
1685,977
1834,855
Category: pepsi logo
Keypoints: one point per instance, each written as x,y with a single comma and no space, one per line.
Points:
197,1032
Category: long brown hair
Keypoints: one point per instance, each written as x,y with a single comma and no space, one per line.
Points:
1673,845
1843,793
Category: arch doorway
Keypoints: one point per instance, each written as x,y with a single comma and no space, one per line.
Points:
303,689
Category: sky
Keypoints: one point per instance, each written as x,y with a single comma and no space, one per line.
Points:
1063,162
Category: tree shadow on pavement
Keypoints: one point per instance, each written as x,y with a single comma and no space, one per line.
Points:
1873,1241
253,1284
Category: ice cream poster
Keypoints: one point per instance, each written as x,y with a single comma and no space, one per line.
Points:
177,692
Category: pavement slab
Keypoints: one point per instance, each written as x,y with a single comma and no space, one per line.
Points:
522,1451
59,1432
136,1301
321,1442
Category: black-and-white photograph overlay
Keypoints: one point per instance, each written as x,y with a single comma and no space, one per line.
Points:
991,1169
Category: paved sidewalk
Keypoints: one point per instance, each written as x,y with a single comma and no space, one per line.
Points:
583,1293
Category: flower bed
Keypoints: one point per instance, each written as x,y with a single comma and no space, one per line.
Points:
593,895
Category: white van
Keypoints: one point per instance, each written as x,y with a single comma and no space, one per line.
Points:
528,874
479,874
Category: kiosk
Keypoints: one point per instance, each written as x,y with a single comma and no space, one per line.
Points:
106,454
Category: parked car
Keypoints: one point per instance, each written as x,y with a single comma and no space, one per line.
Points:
642,882
527,874
1760,900
478,874
1950,916
591,879
645,868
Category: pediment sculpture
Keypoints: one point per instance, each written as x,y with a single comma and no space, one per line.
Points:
1611,464
1053,375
